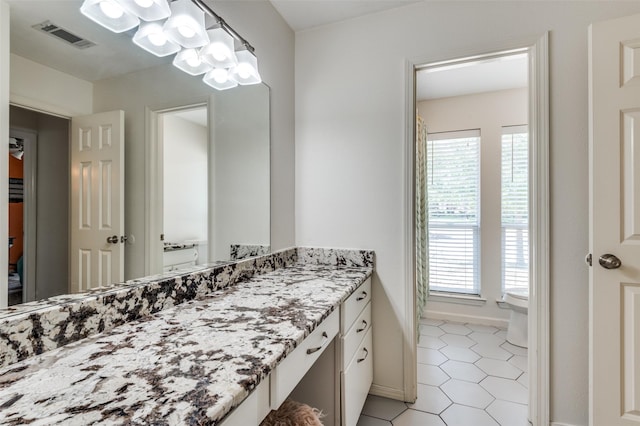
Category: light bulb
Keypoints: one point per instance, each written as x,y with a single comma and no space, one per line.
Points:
219,51
220,75
157,39
186,31
194,61
244,71
111,9
144,3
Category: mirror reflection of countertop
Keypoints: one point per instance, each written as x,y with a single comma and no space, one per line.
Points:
190,363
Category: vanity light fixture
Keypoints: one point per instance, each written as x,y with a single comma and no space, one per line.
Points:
111,14
199,49
220,51
220,79
152,38
189,61
149,10
186,26
246,72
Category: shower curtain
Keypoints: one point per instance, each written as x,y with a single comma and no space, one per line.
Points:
422,217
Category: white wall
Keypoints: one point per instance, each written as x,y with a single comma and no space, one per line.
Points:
488,112
185,179
350,135
264,28
42,88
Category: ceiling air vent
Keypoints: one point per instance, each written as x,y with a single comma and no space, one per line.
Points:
64,35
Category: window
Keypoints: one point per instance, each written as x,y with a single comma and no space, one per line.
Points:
453,190
515,208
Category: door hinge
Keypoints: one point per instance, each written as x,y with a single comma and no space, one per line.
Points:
161,237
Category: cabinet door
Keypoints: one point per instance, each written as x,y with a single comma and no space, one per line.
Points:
356,381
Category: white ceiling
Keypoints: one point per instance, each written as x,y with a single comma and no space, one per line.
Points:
506,72
197,115
304,14
115,54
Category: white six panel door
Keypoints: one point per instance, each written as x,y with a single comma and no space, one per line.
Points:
614,215
97,200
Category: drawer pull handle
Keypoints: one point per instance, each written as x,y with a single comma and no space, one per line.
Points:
366,354
364,327
325,338
364,296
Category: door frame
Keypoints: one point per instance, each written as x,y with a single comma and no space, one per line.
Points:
30,226
154,178
538,316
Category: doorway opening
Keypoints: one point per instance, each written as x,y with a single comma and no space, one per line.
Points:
180,226
38,205
462,305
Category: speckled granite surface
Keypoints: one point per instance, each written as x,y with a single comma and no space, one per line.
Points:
33,328
187,364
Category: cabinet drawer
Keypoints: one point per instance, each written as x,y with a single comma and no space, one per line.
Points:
356,381
352,307
354,336
253,409
288,373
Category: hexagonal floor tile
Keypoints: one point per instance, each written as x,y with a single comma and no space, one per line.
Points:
431,375
430,399
463,371
372,421
482,328
524,380
505,389
430,342
486,338
457,340
430,321
516,350
413,417
459,354
454,328
430,356
521,362
491,351
461,415
467,393
383,408
430,330
508,413
499,368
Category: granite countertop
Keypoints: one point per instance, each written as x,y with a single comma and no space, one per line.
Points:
188,364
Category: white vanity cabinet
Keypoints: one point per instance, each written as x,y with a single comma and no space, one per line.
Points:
356,357
331,369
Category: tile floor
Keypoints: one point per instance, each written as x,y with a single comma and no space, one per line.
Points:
468,375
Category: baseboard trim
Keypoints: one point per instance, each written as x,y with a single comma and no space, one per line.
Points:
448,316
387,392
560,424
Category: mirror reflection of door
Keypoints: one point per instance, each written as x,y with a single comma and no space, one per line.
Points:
183,138
39,257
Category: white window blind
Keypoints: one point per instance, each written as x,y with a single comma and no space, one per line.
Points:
453,190
515,209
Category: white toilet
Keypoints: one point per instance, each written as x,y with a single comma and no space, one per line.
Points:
518,301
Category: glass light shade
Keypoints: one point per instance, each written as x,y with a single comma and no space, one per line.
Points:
246,72
111,14
151,37
186,25
219,53
149,10
189,61
220,79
